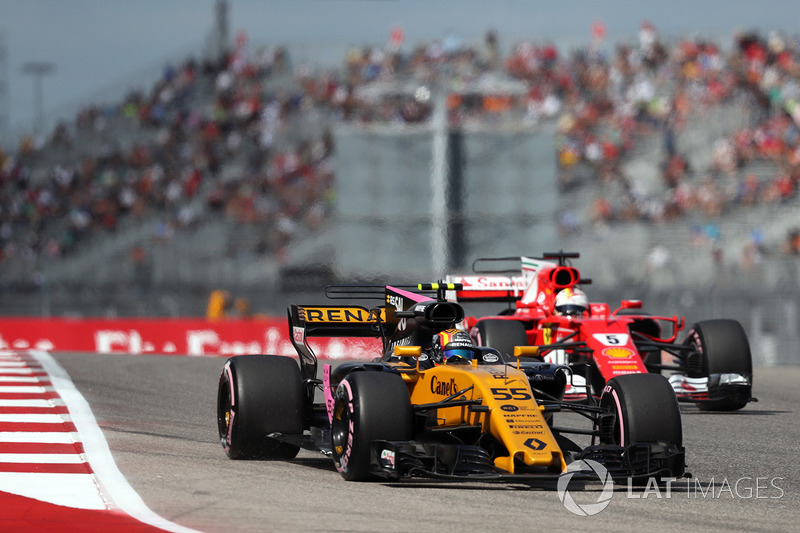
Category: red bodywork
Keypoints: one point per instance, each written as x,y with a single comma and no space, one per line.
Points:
604,337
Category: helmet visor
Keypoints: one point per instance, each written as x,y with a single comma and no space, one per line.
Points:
463,353
571,309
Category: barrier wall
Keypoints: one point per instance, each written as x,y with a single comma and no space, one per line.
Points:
180,336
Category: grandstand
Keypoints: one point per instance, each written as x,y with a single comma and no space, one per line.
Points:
266,179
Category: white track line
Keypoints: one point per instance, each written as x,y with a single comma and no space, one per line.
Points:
27,403
23,389
82,492
35,418
49,458
19,379
38,437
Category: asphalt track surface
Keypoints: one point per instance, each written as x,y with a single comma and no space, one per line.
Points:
158,416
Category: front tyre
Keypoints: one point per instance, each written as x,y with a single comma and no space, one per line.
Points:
368,406
645,407
646,412
724,355
259,395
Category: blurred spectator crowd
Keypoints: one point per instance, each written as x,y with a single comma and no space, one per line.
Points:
249,137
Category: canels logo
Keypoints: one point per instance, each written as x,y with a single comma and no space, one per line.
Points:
445,388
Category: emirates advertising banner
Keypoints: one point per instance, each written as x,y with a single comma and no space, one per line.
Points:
179,336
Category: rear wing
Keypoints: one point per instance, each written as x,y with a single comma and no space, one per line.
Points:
329,321
399,305
495,279
487,288
512,279
337,320
354,320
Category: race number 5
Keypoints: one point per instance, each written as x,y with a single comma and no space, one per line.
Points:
612,339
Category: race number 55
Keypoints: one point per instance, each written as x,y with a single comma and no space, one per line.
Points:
510,394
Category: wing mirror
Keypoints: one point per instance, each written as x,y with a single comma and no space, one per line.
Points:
525,351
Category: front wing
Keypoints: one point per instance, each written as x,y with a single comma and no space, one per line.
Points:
450,462
735,387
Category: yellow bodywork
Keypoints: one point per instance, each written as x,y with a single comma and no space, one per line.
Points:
513,416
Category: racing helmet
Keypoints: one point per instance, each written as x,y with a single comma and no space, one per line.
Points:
452,345
571,302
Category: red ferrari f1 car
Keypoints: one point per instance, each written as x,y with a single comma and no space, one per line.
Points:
711,365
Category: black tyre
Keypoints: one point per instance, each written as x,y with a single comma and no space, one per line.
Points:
646,410
368,406
502,335
724,349
259,395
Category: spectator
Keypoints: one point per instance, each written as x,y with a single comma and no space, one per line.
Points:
219,305
602,106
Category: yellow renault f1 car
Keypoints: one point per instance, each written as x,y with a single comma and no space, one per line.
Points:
405,414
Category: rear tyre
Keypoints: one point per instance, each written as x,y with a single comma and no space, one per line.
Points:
502,335
724,349
259,395
368,406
